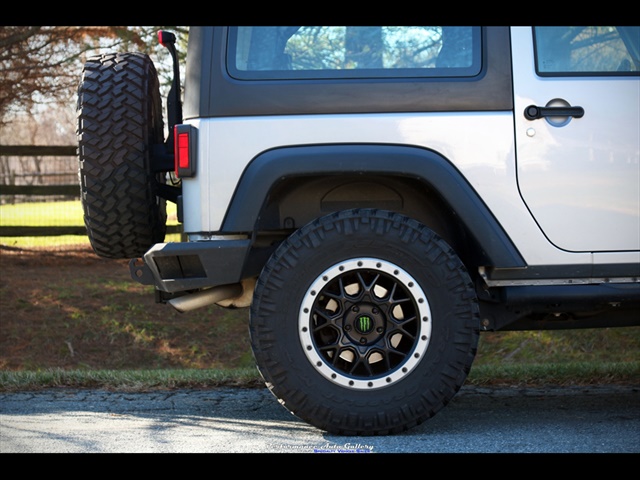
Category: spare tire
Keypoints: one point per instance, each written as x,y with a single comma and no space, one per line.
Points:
119,120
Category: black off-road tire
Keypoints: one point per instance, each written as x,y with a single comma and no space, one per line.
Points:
119,119
364,322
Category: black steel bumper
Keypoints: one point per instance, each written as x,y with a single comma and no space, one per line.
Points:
181,266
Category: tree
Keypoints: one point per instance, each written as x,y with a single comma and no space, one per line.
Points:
40,65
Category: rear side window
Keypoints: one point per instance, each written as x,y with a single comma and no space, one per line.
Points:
579,51
256,53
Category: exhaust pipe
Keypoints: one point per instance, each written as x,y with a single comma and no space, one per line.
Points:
206,297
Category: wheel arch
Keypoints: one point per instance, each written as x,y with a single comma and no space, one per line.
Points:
285,187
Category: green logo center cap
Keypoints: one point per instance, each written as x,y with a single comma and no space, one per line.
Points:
364,323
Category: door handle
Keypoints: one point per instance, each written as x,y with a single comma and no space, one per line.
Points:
533,112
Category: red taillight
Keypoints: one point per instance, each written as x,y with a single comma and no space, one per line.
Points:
184,162
183,151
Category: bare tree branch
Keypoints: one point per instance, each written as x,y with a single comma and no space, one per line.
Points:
43,64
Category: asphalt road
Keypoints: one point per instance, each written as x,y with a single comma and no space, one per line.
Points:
594,419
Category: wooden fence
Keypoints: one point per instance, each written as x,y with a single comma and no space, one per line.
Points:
45,190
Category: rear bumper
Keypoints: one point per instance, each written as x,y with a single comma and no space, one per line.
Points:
181,266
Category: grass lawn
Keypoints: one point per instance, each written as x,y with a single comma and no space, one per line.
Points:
78,320
54,214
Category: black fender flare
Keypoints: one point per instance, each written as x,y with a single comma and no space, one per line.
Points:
272,166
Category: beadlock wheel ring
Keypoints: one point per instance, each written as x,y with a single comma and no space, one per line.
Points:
364,323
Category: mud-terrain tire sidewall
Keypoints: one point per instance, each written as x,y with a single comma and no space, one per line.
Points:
301,260
119,119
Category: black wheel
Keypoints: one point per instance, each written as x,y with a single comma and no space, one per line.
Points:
119,119
364,322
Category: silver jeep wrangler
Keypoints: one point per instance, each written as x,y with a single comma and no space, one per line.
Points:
377,196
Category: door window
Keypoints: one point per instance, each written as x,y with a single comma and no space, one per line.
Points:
569,51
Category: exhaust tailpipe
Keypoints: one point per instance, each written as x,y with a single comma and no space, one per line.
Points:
206,297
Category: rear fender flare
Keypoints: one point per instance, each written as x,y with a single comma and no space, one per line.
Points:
273,166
